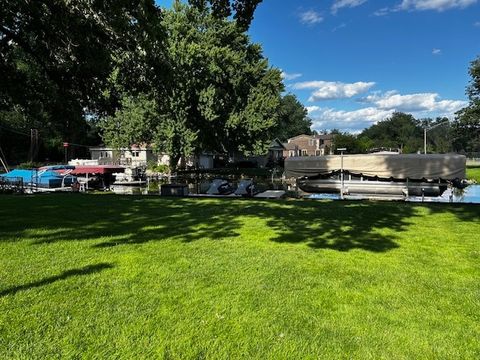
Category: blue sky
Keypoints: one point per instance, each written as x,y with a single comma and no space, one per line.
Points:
354,62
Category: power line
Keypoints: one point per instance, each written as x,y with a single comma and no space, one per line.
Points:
36,136
14,131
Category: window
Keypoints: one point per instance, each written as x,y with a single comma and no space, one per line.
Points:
135,153
311,142
304,152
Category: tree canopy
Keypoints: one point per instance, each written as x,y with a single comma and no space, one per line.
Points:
399,131
466,128
57,58
221,94
293,119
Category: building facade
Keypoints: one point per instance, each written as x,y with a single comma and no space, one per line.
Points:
143,155
134,156
308,145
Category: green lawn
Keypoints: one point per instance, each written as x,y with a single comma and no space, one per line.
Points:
473,173
86,276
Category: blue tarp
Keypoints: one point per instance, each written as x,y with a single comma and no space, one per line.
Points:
48,178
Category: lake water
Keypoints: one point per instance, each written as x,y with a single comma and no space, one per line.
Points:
469,195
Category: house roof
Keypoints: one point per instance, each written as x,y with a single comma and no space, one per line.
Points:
324,136
317,136
276,145
299,136
290,146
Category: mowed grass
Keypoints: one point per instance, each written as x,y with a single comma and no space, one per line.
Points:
473,172
86,276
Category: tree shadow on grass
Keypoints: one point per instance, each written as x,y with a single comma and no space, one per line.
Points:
372,226
90,269
340,226
120,220
128,220
463,212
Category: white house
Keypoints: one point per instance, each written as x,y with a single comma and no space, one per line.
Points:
142,155
136,155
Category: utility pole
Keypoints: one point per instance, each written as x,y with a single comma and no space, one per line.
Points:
65,147
342,177
425,129
425,140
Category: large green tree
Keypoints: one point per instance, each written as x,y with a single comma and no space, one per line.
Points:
293,119
221,94
57,60
399,131
355,144
466,127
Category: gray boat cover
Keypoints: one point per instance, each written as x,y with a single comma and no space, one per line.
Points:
398,166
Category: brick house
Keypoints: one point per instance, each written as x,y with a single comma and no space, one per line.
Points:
308,145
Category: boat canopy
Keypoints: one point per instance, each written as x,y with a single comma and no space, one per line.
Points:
397,166
44,178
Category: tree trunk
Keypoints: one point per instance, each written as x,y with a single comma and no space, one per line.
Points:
174,163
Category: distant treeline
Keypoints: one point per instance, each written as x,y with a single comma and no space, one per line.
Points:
404,133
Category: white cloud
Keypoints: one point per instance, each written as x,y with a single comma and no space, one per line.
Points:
329,90
476,24
438,5
338,4
381,106
421,102
423,5
287,76
311,17
313,109
449,107
436,51
352,121
365,115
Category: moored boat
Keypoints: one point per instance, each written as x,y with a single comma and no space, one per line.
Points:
382,174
